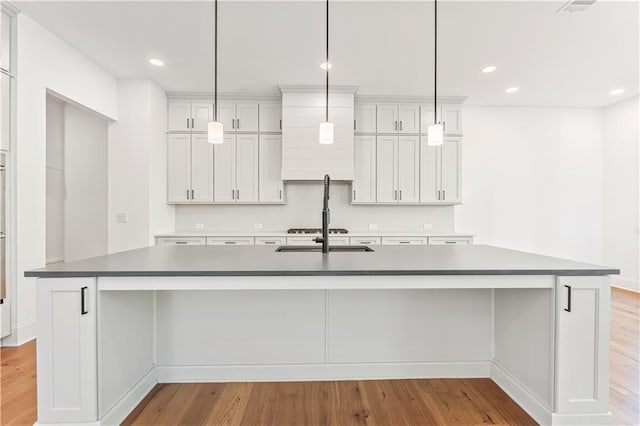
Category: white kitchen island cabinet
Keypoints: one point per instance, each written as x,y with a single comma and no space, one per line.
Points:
158,315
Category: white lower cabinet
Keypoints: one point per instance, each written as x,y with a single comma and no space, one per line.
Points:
230,241
67,350
582,344
308,240
396,241
178,241
364,241
450,240
271,241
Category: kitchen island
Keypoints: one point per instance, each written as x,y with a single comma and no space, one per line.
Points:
112,327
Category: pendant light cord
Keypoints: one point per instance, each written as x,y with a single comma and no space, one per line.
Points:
435,62
215,65
327,66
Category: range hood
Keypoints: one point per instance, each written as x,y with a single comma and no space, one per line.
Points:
303,109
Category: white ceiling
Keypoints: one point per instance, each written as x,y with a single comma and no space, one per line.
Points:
386,48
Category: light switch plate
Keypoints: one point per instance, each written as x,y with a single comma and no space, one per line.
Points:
257,226
428,226
199,226
373,226
122,217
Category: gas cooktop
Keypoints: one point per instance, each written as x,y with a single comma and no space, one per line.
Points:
316,231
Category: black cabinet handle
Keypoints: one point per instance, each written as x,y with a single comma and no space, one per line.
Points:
568,308
83,297
187,123
193,123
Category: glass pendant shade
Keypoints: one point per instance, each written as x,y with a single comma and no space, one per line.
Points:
435,134
326,133
215,132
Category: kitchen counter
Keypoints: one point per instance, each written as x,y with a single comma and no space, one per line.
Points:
265,261
285,234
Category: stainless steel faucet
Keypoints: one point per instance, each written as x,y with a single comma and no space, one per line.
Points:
325,217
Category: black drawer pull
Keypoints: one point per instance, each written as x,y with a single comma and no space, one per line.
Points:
83,296
568,308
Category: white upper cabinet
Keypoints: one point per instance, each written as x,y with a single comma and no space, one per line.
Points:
403,118
270,185
450,115
190,169
409,119
387,119
440,171
236,169
5,111
270,117
189,116
364,182
5,42
365,118
240,117
398,169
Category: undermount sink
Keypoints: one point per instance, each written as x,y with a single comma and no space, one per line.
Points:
313,249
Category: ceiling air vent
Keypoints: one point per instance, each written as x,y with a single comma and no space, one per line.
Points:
576,5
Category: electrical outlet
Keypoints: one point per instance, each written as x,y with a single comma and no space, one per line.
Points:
257,226
122,217
373,226
199,225
428,226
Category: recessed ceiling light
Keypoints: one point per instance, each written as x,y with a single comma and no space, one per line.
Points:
616,91
490,68
156,62
326,65
512,90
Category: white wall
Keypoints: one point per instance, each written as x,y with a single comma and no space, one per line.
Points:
622,191
55,181
304,209
44,63
85,177
137,166
533,179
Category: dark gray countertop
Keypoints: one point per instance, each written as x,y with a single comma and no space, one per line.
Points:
264,261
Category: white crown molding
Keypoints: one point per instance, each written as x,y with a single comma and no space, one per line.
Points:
409,99
316,88
9,7
208,96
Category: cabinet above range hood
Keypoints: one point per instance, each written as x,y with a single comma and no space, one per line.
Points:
303,109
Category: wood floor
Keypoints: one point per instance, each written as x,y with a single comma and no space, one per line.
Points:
385,402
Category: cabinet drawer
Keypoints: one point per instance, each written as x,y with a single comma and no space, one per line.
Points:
365,241
307,240
270,241
231,241
188,241
450,240
393,241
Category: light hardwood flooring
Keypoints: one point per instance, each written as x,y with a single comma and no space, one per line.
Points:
380,402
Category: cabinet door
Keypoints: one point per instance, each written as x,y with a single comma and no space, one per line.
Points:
230,241
5,111
386,176
270,117
365,117
67,350
179,168
227,116
450,170
201,169
582,345
452,119
403,241
247,149
429,172
408,169
224,170
364,183
179,116
426,118
270,186
247,117
201,115
5,42
409,119
181,241
387,119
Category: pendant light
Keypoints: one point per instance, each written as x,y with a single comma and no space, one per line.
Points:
435,132
326,128
215,129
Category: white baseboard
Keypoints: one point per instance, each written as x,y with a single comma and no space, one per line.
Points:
130,400
21,335
626,284
582,419
529,403
312,372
